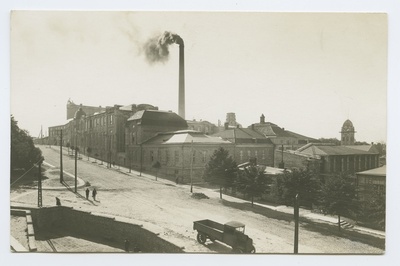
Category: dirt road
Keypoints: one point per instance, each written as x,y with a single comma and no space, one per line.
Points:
171,207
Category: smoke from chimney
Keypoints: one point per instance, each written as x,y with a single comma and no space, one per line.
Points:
156,50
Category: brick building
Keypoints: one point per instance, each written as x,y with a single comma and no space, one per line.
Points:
202,126
174,151
373,180
330,159
279,136
249,144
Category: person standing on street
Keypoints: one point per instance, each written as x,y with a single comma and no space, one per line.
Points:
87,193
94,193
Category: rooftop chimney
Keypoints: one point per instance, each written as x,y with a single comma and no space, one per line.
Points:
262,119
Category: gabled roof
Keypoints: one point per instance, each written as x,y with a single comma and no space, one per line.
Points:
158,118
272,130
243,135
327,149
380,171
371,148
185,136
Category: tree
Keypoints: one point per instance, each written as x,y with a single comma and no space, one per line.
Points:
303,182
338,195
220,170
373,207
156,165
24,154
330,140
252,181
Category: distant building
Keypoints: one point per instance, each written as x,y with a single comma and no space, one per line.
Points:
182,154
347,133
72,108
231,121
371,181
330,159
202,126
249,144
279,136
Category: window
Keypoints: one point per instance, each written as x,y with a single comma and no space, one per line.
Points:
204,156
176,155
263,155
111,119
249,154
193,156
256,154
151,156
241,156
167,156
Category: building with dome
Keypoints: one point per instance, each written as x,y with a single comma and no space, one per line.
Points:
348,132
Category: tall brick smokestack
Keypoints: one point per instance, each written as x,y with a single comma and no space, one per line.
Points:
181,110
156,50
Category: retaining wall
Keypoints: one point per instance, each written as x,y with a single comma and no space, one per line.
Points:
101,226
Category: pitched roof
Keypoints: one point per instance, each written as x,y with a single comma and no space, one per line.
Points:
272,130
326,149
185,136
158,118
380,171
243,135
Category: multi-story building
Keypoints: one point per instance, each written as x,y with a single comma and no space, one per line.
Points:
372,181
249,144
182,154
202,126
282,138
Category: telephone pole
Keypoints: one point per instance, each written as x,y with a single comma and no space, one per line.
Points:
40,200
61,160
296,224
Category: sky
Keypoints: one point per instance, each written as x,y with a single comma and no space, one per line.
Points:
306,72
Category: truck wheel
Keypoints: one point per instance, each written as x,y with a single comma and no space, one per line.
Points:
237,250
253,249
202,238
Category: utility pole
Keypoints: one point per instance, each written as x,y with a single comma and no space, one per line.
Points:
296,224
141,159
61,160
40,201
76,164
191,167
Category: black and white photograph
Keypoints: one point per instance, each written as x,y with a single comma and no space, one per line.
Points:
238,133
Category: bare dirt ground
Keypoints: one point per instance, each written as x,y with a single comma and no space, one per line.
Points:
172,209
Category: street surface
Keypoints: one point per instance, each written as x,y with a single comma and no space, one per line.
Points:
170,209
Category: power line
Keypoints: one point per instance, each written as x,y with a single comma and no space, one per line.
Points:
24,173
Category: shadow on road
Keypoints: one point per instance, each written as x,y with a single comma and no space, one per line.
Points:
77,194
218,247
246,206
332,230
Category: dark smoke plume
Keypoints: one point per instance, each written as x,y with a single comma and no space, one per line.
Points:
156,49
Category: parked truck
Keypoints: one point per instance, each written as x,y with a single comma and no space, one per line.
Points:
231,233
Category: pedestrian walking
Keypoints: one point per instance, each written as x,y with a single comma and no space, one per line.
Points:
94,193
127,245
87,193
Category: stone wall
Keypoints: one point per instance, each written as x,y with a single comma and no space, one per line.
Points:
101,226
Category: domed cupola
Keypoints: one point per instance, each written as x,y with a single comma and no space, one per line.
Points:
348,133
